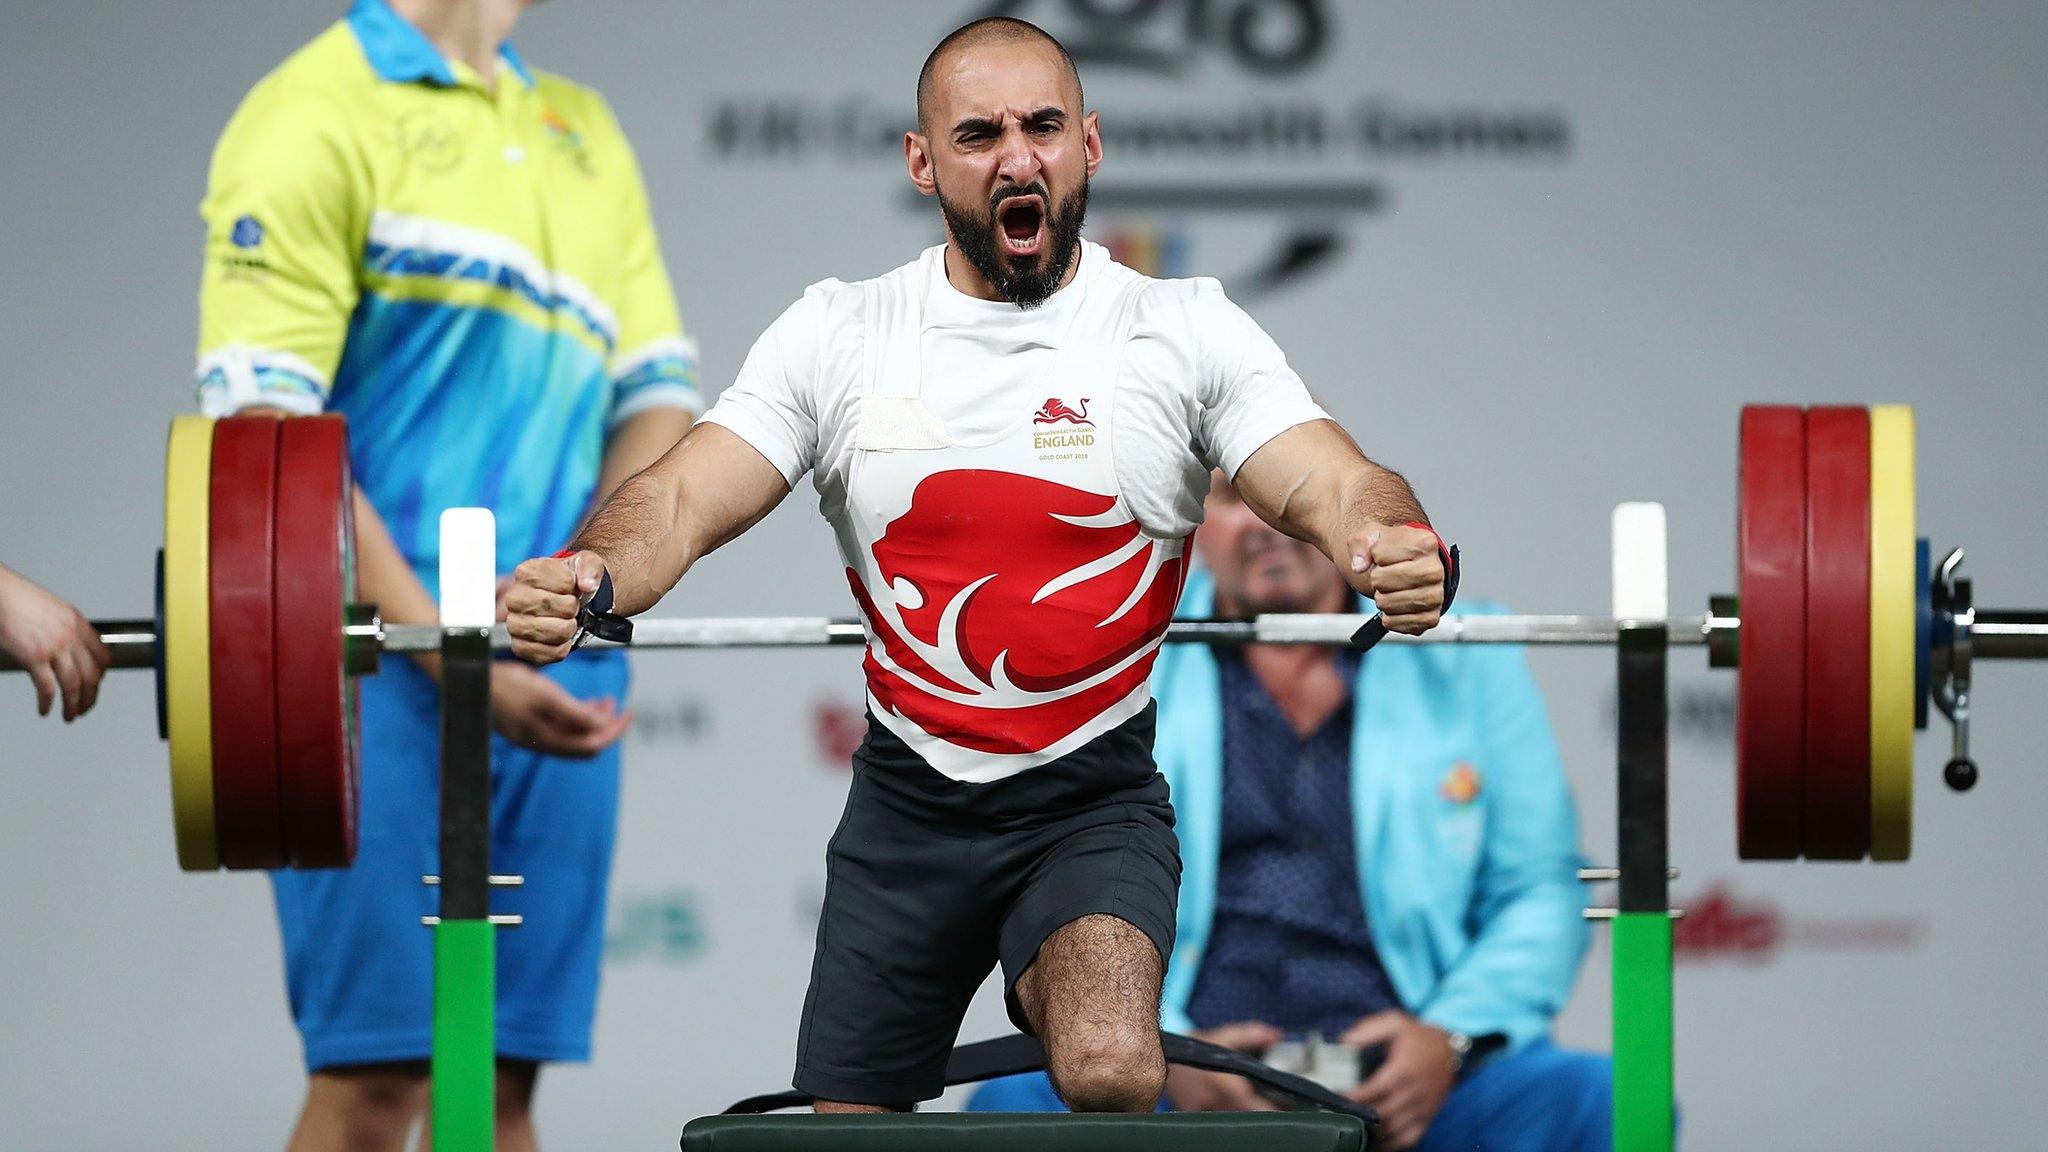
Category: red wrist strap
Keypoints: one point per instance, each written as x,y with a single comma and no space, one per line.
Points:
1443,550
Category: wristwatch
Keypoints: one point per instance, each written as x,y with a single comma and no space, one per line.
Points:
1468,1051
1461,1049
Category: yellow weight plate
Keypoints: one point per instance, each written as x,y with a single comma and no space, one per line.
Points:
188,680
1892,608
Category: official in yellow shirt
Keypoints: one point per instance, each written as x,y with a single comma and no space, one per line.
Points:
407,225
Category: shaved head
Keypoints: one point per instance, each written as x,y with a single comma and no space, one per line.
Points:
1006,146
979,33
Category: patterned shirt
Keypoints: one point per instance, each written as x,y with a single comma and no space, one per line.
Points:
468,272
1289,946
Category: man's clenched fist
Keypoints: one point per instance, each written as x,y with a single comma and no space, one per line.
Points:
1400,567
540,607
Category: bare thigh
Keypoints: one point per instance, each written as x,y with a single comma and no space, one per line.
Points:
1093,994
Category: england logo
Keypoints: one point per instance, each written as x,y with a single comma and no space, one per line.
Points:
1057,411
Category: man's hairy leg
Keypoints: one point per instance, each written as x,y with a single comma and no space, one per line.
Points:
1092,996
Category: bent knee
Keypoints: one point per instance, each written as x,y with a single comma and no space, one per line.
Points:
1117,1077
373,1089
514,1095
366,1107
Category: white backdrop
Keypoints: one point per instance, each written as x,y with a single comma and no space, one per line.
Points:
1566,241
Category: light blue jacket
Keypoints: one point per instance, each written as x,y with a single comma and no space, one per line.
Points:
1473,903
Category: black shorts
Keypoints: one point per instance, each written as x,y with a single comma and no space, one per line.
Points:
930,882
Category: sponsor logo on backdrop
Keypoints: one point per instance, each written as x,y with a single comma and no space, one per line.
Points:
837,729
808,906
675,720
1154,249
1310,169
1721,924
656,926
1702,712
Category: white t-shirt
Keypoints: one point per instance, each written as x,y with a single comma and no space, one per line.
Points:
1011,489
1201,385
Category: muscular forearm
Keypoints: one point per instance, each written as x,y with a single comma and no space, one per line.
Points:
710,487
634,446
1366,494
1313,483
638,533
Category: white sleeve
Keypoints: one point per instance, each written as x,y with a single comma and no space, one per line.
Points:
1245,391
772,404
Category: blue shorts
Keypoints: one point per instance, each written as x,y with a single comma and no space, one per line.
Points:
358,963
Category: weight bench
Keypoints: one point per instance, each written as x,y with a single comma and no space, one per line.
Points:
1328,1123
1031,1132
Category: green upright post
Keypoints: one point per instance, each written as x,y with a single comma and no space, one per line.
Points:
465,1034
1642,915
465,947
1643,1089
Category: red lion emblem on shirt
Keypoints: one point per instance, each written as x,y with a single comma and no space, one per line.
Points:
1013,610
1057,411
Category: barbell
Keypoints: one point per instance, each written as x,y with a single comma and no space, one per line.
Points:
1842,632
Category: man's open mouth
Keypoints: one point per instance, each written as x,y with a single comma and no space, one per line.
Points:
1021,219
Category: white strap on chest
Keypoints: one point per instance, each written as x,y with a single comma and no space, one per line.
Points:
897,424
893,417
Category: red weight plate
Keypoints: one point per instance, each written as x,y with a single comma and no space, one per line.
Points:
242,498
1835,821
1770,689
315,576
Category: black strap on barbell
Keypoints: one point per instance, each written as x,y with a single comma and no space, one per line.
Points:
1375,630
1010,1055
595,617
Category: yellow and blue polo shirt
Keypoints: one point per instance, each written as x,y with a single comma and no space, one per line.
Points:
470,275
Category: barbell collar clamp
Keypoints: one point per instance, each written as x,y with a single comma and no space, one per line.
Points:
362,640
1724,631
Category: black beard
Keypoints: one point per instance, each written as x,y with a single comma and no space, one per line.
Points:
1027,285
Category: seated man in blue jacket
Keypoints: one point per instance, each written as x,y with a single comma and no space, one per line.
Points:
1376,849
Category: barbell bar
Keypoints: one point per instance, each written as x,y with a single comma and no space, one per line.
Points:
325,641
1996,633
